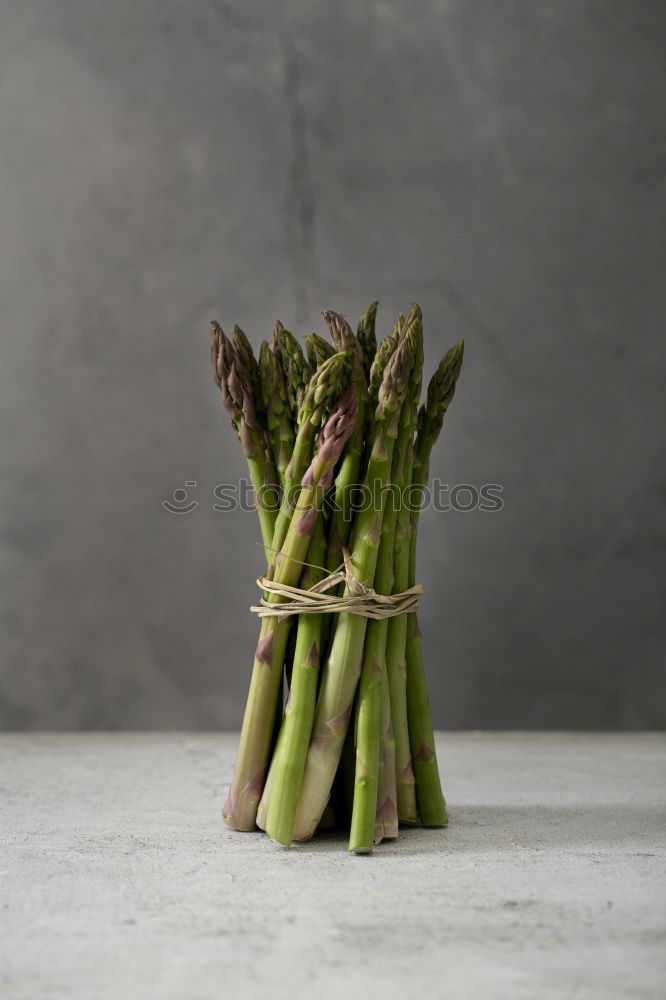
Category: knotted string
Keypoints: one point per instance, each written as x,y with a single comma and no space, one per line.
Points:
357,600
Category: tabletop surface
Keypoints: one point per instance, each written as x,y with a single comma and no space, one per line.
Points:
119,880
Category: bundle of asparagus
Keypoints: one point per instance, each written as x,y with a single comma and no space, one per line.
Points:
338,452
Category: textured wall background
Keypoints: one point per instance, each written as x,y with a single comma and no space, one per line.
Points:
163,162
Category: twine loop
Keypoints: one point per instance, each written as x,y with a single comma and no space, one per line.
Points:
357,599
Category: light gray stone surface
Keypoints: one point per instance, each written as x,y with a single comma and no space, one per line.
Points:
118,879
164,162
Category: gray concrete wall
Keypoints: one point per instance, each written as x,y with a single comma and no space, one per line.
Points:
165,162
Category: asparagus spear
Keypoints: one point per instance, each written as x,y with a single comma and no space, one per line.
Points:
386,819
430,800
343,664
240,808
348,474
380,662
342,514
367,339
318,350
246,359
340,330
279,423
297,371
373,689
286,770
235,382
396,667
322,392
384,353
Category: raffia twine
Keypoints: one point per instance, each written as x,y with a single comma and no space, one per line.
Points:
358,599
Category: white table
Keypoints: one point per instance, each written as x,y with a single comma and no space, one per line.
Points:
119,880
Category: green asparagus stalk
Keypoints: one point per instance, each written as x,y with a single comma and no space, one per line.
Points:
286,770
349,471
430,800
342,513
373,690
396,666
279,423
441,391
322,392
296,374
235,382
386,818
248,363
343,665
370,818
367,338
299,661
368,738
240,809
384,354
380,662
